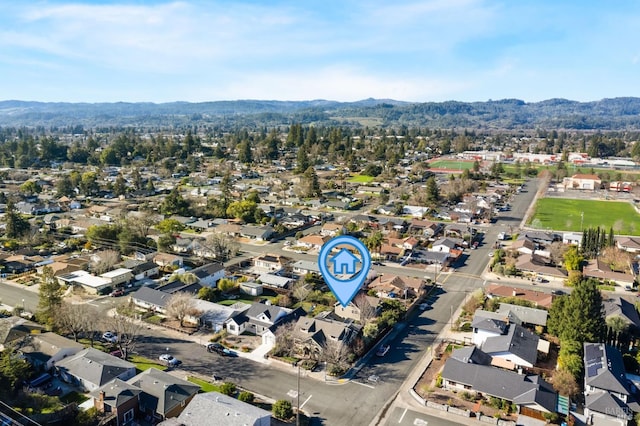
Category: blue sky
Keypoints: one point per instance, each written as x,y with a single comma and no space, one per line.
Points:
422,50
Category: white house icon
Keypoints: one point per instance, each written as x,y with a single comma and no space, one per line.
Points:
344,262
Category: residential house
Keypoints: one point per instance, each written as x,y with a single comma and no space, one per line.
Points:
141,269
213,315
275,281
14,329
270,262
518,347
531,393
167,260
536,264
46,349
312,241
392,286
182,245
524,315
251,288
390,252
538,298
315,333
118,277
151,299
90,283
119,399
213,408
609,395
90,369
523,245
332,229
445,245
415,211
572,238
618,306
163,395
209,274
259,233
601,270
541,238
630,244
425,228
257,319
365,307
304,267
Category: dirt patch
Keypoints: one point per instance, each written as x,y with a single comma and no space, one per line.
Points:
242,343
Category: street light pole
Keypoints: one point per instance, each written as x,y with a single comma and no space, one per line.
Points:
298,398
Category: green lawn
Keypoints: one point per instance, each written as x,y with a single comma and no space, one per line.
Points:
74,396
562,214
143,363
204,385
451,164
361,179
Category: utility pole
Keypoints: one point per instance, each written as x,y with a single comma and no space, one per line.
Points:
581,220
298,398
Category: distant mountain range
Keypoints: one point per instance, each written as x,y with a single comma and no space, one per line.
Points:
507,114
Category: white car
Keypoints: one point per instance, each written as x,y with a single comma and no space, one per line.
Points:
110,337
169,360
383,349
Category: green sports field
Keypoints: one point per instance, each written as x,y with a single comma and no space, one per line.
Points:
361,179
563,214
451,164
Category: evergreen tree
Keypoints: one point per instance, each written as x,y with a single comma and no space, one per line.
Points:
302,163
432,191
579,318
244,152
50,296
16,224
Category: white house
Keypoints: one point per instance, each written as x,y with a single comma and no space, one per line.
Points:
209,274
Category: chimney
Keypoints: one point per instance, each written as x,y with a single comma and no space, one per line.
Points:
101,396
514,293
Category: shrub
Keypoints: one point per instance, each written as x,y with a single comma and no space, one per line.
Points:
439,380
247,397
228,388
467,396
281,409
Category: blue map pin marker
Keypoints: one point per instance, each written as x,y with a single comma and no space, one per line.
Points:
344,279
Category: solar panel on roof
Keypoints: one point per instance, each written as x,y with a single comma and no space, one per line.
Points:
593,352
592,370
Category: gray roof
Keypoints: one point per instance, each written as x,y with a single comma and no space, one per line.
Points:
307,265
207,270
618,306
151,296
518,341
213,408
161,391
524,313
609,404
322,329
604,368
94,366
472,355
522,389
490,321
116,392
13,328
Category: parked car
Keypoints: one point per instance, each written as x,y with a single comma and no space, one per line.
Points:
229,352
215,347
117,293
169,360
382,350
109,337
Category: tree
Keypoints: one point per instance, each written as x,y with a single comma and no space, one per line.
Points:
30,187
301,290
14,369
282,409
573,259
565,383
64,187
226,284
120,186
228,388
302,162
186,278
126,327
89,183
432,193
180,305
244,210
175,204
222,246
336,354
244,152
311,185
16,225
50,296
367,311
73,319
578,317
210,294
104,261
169,226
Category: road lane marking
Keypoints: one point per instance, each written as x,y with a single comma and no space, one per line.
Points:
305,401
402,416
420,422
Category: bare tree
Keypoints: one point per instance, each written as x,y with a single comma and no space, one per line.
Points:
556,251
103,261
617,259
74,319
367,311
284,340
181,305
301,290
127,328
223,246
336,354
